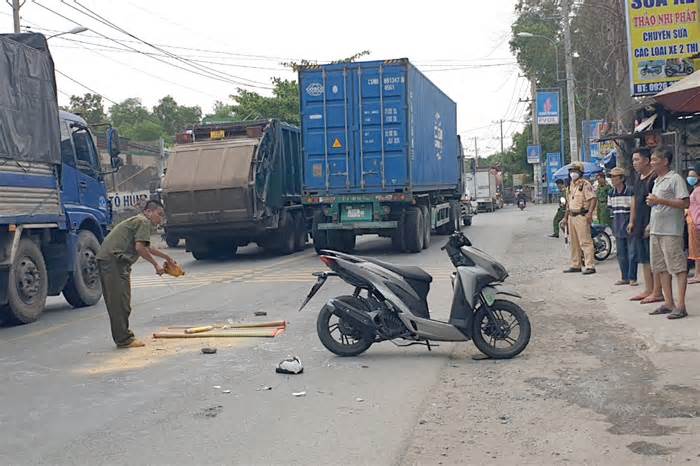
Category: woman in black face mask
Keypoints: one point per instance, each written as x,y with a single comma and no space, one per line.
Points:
693,219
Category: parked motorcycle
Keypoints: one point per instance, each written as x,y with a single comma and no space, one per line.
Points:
389,303
601,241
521,203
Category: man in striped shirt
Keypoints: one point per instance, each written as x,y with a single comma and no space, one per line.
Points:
620,203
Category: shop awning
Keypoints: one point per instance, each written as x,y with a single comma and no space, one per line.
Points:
683,96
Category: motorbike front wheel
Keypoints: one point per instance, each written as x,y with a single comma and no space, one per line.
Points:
603,246
338,335
506,334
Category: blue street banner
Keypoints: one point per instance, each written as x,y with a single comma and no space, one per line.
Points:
554,163
533,154
547,107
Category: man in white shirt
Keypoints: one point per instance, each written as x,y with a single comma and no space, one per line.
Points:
668,200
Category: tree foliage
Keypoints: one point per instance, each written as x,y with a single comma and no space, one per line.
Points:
249,105
600,66
89,106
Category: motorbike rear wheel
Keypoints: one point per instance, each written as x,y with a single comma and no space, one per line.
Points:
339,336
488,334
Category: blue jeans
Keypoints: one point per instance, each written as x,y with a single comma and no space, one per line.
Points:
626,258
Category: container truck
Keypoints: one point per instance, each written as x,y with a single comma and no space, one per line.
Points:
53,201
486,190
231,184
381,154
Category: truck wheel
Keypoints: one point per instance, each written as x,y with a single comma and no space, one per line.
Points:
83,287
286,234
172,241
202,254
414,229
320,237
398,236
427,226
27,284
348,241
300,233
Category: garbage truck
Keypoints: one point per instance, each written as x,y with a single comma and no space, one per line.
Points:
381,154
231,184
53,201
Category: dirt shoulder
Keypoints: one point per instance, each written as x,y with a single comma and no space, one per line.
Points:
601,382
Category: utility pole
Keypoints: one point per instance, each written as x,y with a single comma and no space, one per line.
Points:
570,84
537,168
476,151
16,5
500,122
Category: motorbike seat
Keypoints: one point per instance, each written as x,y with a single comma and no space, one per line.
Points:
407,271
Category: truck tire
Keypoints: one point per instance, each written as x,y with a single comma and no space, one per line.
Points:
172,241
398,236
27,284
215,250
467,220
286,234
414,229
427,225
83,287
300,233
320,237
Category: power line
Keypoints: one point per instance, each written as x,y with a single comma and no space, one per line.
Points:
84,86
143,53
96,16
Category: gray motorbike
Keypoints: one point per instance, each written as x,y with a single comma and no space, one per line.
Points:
389,303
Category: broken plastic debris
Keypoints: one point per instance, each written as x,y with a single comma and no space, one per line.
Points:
299,394
290,366
260,313
359,400
208,350
216,387
264,388
225,391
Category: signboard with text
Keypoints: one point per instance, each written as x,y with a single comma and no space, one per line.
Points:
554,163
533,154
128,200
547,107
661,36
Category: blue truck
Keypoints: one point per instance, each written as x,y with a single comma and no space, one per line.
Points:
381,155
53,201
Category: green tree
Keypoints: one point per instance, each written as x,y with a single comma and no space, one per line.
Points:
128,113
89,106
249,105
173,117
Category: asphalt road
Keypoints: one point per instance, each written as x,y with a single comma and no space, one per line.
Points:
589,389
68,396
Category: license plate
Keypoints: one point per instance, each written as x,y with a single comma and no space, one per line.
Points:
489,295
357,212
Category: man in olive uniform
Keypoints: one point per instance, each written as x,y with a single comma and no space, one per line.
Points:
602,193
561,211
581,204
128,241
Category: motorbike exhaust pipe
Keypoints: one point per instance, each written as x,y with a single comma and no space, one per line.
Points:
358,318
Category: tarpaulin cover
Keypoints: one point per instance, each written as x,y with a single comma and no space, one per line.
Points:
29,128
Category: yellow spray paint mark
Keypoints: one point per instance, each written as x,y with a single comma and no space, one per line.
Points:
337,144
155,352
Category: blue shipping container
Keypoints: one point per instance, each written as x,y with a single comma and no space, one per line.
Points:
363,137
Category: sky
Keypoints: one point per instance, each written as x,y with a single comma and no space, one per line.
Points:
205,50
